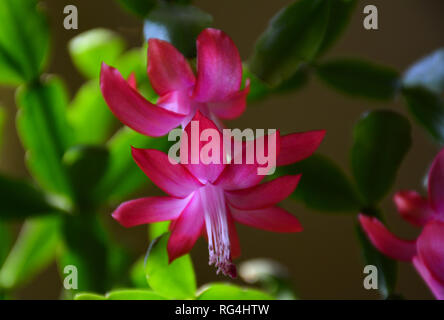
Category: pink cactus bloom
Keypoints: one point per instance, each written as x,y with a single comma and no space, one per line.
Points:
207,199
427,251
215,92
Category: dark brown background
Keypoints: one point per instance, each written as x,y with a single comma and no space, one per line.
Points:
324,260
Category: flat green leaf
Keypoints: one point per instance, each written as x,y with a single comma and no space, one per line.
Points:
178,24
258,89
155,230
222,291
89,296
85,165
174,280
293,36
45,133
89,115
381,139
323,186
138,7
338,20
297,81
134,294
427,72
137,274
21,200
387,268
360,78
34,250
428,110
24,41
85,247
89,49
123,176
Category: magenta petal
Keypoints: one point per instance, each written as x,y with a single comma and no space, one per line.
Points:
386,242
298,146
186,230
132,81
435,286
233,106
234,238
168,69
431,248
195,152
263,195
219,67
436,184
133,109
273,219
413,207
148,210
171,177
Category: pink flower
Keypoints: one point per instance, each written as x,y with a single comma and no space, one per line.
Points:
207,199
215,92
427,251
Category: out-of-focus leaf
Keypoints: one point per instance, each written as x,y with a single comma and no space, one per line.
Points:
34,250
24,41
381,139
139,7
427,72
225,291
324,186
137,274
89,296
134,294
90,117
45,133
85,165
258,89
5,242
89,49
85,248
295,82
123,176
20,200
338,19
387,268
360,78
174,280
178,24
428,110
294,35
2,123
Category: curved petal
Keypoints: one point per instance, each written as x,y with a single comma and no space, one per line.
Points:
132,81
298,146
219,67
149,210
436,184
386,242
202,149
273,219
169,176
435,286
186,230
263,195
168,69
133,109
244,169
431,248
233,106
413,207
